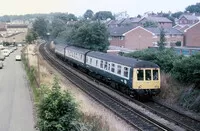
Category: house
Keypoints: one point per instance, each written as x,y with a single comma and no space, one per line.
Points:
138,37
187,19
192,35
15,28
161,21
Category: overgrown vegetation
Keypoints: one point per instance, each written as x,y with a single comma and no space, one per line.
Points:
184,69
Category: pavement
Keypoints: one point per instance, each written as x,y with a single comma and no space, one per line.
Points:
16,107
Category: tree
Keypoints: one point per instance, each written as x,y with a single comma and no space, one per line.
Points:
177,14
193,8
162,43
103,15
92,36
31,36
150,24
40,26
57,110
88,14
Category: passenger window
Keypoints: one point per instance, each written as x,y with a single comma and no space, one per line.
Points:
105,65
113,68
90,60
101,65
119,69
125,71
108,66
140,75
155,74
148,75
86,59
96,62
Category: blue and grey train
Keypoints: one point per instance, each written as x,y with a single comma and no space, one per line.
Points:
132,76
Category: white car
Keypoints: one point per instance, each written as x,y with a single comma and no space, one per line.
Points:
18,57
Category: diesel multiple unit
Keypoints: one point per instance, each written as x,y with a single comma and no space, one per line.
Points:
131,76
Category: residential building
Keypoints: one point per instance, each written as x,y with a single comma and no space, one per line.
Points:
137,37
192,35
187,19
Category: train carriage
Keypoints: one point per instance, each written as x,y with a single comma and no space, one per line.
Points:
139,76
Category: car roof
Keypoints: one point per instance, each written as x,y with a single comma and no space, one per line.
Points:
131,62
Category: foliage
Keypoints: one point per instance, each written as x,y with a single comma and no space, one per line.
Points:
177,14
187,69
161,43
193,8
88,14
150,24
57,110
31,36
103,15
178,43
163,58
190,99
40,26
92,36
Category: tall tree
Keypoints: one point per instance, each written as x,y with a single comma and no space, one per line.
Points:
161,43
40,26
103,15
193,8
92,36
88,14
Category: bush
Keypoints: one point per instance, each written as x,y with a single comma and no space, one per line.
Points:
57,110
163,58
178,43
187,69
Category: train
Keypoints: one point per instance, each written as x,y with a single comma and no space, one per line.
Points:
134,77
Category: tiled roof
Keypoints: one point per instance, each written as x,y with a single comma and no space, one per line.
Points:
157,19
190,17
119,30
131,20
168,31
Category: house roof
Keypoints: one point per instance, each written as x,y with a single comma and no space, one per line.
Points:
168,31
131,20
191,26
157,19
189,17
119,30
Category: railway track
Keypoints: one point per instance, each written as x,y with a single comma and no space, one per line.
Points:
137,119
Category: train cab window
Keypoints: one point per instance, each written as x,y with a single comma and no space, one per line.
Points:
101,65
105,65
125,71
119,69
140,75
90,60
113,68
148,75
155,74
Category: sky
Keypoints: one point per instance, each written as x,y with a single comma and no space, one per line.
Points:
78,7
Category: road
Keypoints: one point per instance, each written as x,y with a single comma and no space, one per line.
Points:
16,108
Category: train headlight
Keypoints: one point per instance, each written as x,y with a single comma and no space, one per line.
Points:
156,86
140,87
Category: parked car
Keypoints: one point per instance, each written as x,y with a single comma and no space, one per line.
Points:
18,57
19,45
2,57
1,64
6,52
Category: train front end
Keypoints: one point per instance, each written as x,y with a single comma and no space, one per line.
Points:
146,79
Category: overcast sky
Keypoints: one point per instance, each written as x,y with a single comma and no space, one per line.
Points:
78,7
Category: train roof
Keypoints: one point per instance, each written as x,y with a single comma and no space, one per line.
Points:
131,62
78,50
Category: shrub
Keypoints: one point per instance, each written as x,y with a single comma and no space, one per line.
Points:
187,69
178,43
57,110
163,58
